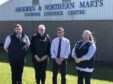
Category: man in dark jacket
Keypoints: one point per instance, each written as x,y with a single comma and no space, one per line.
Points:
40,48
16,46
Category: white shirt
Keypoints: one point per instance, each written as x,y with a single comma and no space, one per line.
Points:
8,41
88,56
65,48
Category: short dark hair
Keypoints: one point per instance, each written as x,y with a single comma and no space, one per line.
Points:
60,29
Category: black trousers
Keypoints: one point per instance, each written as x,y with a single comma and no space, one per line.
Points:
16,71
62,69
40,71
84,75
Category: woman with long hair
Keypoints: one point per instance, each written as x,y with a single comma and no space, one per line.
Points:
83,54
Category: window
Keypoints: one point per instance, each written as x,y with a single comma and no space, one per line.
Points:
35,2
66,0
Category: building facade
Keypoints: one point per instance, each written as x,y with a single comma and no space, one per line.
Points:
74,15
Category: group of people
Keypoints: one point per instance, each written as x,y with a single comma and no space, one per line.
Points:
17,44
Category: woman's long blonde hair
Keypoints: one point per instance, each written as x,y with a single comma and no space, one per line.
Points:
91,36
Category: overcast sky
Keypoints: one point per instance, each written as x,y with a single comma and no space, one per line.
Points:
3,1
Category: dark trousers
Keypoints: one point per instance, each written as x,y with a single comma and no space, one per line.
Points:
62,69
16,71
40,71
84,75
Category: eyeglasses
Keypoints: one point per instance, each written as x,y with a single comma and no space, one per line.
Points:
59,31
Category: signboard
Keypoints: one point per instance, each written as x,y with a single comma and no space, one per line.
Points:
57,10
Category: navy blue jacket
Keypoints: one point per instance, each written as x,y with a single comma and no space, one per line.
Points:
83,51
17,48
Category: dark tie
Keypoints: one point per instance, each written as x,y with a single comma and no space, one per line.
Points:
59,48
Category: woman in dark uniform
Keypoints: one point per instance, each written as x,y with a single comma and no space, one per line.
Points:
40,48
83,54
